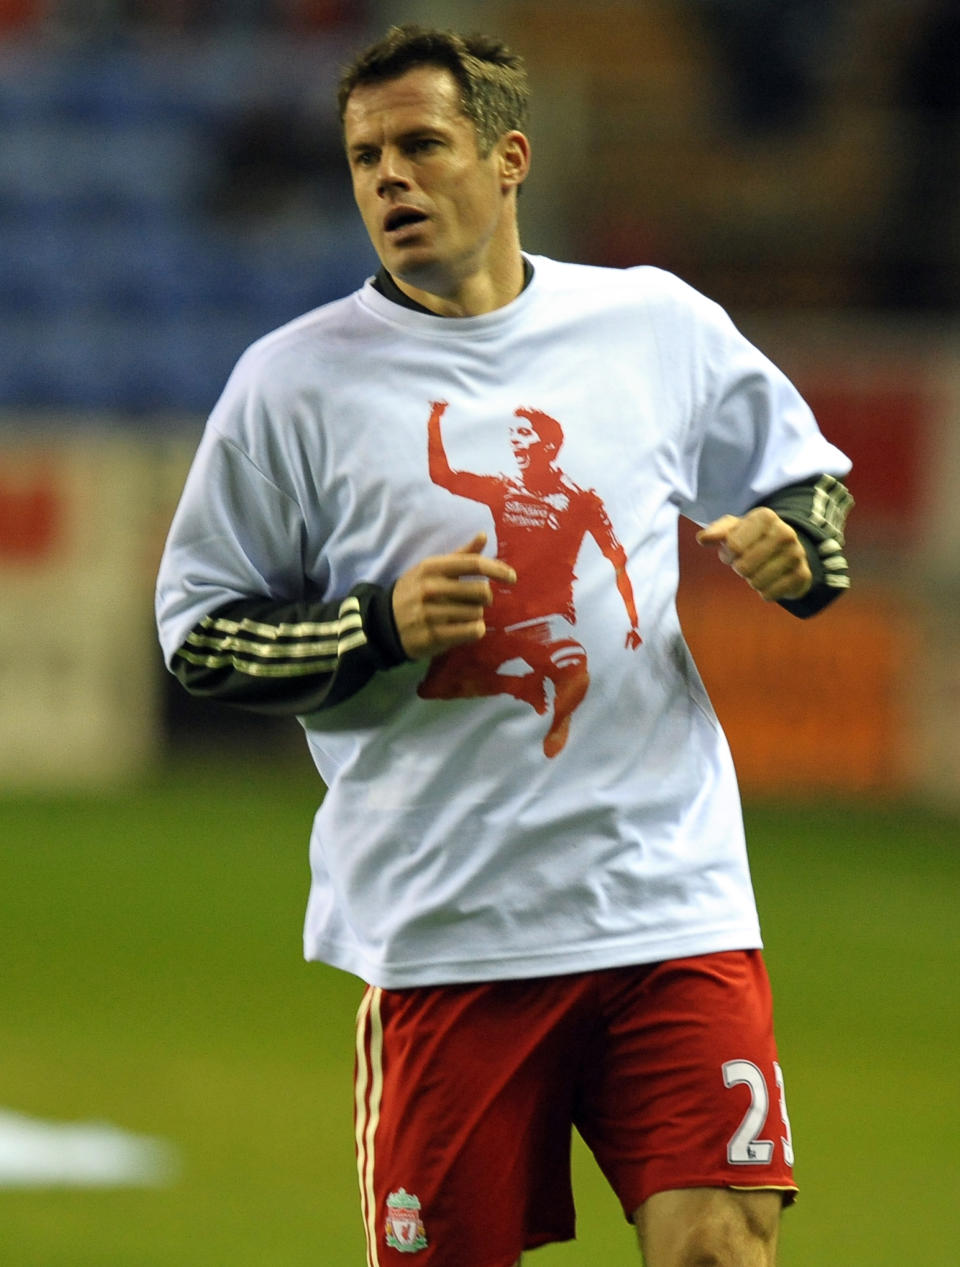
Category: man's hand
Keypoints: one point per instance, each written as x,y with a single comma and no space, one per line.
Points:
439,603
764,550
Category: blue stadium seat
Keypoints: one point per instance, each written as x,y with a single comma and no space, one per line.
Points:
121,290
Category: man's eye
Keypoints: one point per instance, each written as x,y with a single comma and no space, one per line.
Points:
365,158
424,145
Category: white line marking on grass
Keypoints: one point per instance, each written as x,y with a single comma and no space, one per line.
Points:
38,1154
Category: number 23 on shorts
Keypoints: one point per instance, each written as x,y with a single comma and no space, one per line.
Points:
746,1148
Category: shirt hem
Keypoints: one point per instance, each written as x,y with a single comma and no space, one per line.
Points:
548,964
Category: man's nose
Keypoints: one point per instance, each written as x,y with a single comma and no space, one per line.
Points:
393,173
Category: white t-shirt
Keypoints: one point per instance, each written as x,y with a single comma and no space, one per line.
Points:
460,838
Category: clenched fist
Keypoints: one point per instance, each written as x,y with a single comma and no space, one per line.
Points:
763,549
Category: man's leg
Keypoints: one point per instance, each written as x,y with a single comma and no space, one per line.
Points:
571,680
709,1227
683,1108
469,673
462,1106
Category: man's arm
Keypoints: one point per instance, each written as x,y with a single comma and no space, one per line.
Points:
602,532
478,488
241,619
790,548
290,658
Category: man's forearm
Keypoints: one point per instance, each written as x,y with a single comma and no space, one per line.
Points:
290,658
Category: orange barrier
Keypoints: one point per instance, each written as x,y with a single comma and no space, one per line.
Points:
808,706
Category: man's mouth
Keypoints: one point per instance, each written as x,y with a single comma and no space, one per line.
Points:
402,218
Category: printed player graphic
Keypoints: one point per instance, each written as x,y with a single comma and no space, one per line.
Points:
541,520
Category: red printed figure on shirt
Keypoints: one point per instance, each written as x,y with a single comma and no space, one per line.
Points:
541,519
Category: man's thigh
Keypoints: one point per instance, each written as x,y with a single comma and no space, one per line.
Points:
682,1088
716,1225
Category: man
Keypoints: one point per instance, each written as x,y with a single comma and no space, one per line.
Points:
540,523
550,938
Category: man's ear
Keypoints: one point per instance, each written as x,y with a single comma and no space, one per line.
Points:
514,160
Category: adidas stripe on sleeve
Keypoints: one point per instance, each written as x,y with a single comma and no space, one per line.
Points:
818,510
290,657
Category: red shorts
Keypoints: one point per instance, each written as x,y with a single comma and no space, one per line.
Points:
466,1096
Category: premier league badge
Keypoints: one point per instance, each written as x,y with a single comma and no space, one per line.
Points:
405,1230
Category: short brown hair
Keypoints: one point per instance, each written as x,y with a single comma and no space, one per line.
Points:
547,428
493,87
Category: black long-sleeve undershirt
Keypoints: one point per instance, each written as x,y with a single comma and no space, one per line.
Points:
291,658
817,510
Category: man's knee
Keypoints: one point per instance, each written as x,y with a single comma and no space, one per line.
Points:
726,1241
710,1228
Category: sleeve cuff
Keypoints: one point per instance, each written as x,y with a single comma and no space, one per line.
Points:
821,593
380,626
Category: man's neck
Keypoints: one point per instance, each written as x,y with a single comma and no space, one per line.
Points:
422,301
541,480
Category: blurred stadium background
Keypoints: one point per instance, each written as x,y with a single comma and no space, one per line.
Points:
171,187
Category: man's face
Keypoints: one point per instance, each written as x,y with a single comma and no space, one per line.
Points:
436,212
524,441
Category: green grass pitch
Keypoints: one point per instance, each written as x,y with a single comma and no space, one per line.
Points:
152,978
